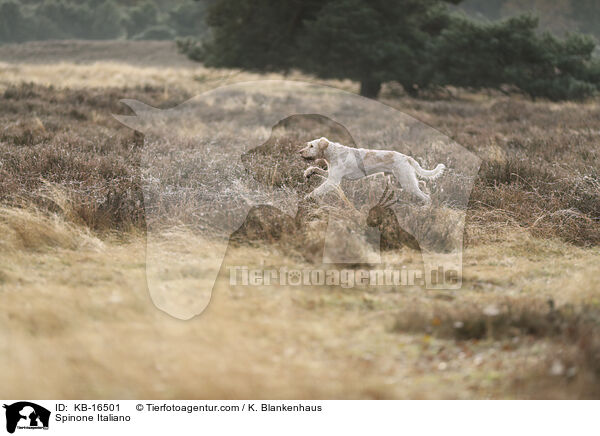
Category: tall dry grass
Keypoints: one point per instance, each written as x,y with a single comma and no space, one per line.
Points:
540,169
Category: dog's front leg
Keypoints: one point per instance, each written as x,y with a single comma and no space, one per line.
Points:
332,181
315,170
323,189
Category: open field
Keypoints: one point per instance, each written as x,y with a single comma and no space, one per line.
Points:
526,323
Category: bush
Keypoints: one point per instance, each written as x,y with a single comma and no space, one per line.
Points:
191,47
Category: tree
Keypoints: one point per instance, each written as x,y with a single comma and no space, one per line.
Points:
367,41
418,43
13,25
554,16
389,45
140,17
107,20
92,19
188,18
511,52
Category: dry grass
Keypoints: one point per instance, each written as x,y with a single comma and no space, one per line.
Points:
80,310
118,64
541,162
72,257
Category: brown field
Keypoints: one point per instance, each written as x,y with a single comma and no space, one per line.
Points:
78,322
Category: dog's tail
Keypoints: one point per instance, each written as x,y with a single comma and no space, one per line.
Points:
429,174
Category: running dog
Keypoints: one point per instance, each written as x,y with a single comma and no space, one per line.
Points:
355,163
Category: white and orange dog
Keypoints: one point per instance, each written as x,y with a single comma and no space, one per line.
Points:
355,163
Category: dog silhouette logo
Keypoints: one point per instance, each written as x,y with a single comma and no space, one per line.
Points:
228,163
26,415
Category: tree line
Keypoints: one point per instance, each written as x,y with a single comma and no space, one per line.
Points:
31,20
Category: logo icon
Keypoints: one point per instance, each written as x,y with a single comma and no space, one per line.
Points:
26,415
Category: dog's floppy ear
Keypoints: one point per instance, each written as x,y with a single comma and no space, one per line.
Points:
323,143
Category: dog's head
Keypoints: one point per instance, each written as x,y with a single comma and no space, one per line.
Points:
315,149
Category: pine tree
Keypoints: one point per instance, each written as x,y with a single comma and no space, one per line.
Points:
367,41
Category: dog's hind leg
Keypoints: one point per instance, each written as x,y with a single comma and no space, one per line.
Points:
408,181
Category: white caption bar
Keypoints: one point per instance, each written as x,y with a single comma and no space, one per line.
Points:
292,417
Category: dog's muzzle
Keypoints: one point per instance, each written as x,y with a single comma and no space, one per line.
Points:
302,153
